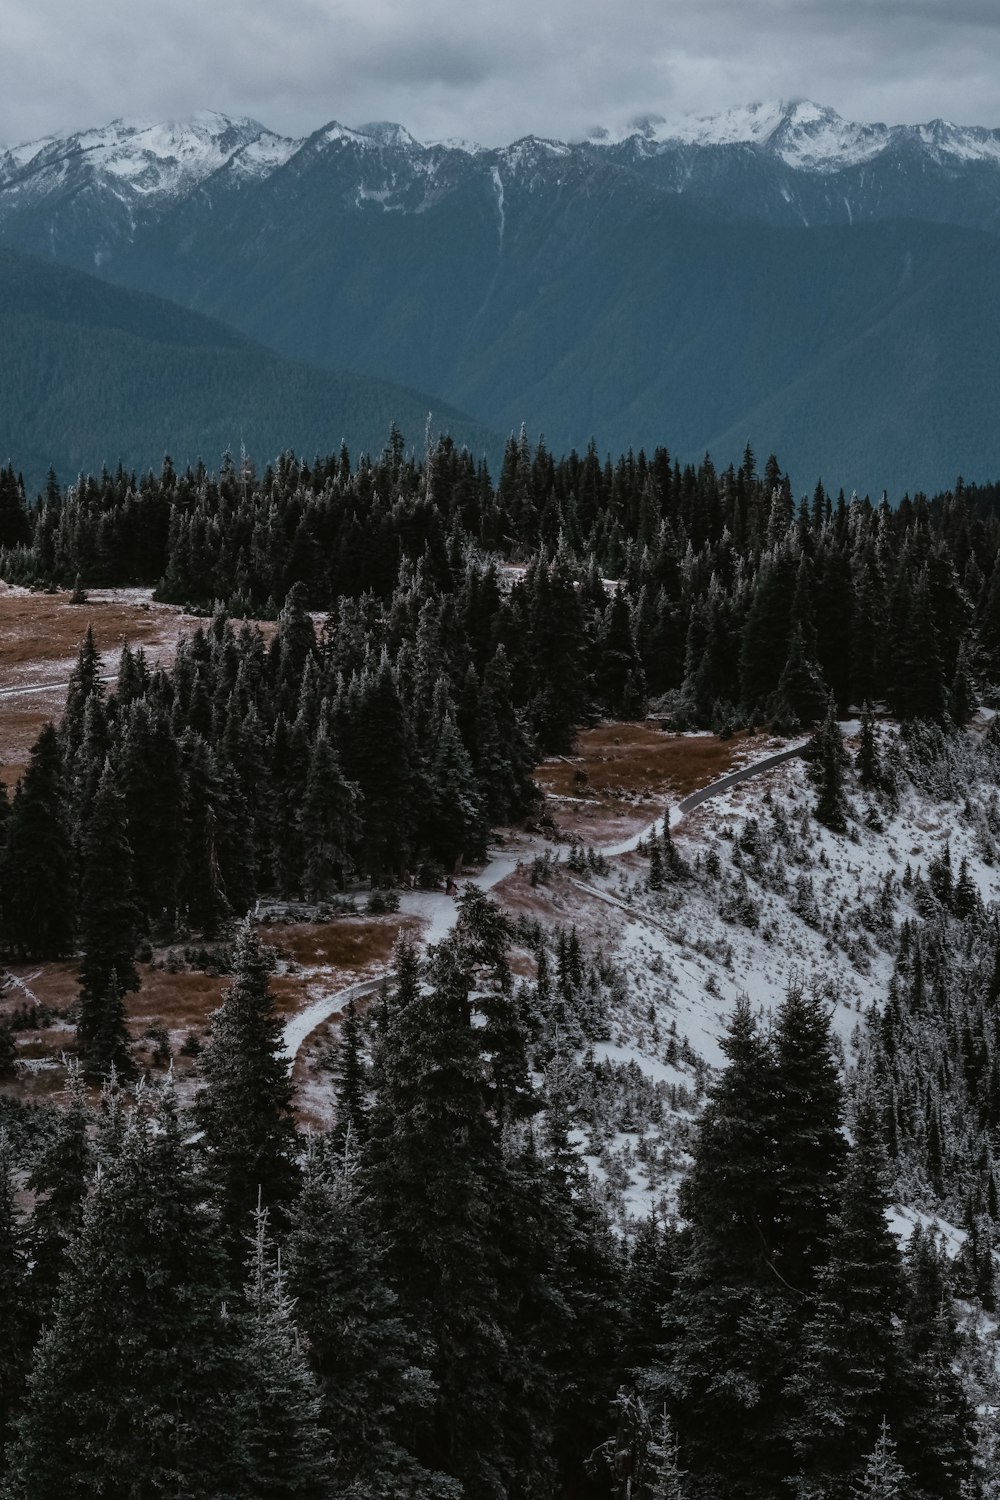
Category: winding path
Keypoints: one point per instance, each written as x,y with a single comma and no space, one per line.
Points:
47,687
440,912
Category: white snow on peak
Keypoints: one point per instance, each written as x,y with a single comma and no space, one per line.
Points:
387,133
807,137
458,143
966,142
264,155
336,132
145,158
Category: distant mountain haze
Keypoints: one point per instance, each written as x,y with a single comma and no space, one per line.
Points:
825,289
94,374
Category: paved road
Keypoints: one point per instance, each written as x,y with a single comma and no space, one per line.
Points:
695,799
46,687
440,911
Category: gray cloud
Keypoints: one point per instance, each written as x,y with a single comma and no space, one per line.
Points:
490,69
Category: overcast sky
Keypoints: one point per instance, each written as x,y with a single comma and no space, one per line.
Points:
490,69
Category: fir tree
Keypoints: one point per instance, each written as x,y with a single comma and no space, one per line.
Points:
826,752
810,1151
38,887
108,922
331,825
367,1357
130,1390
58,1179
726,1353
244,1107
15,1303
883,1479
436,1171
851,1354
668,1476
286,1448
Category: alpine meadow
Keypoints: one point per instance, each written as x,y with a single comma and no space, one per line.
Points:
500,752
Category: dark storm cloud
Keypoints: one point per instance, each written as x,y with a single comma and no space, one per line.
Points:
491,69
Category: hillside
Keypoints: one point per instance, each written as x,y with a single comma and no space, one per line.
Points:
96,374
826,285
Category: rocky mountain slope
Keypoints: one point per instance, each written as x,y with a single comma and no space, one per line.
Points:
826,285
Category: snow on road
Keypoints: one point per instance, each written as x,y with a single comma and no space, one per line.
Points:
439,912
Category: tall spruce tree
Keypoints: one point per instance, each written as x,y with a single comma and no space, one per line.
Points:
109,920
38,888
130,1393
851,1351
58,1180
15,1301
436,1171
331,825
367,1355
827,756
287,1450
244,1107
726,1354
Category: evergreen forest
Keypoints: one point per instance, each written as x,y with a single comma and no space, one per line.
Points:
430,1300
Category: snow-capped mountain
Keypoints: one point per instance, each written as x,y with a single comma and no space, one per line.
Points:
146,160
588,287
808,137
166,161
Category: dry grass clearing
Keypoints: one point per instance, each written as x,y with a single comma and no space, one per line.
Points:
40,636
348,945
314,959
40,633
622,771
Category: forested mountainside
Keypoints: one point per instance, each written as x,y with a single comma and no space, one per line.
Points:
443,1294
829,287
98,374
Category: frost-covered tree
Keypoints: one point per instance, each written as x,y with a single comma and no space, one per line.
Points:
287,1450
131,1389
244,1107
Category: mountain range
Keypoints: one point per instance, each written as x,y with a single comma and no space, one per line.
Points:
825,289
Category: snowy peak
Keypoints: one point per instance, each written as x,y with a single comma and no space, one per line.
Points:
807,137
142,159
386,133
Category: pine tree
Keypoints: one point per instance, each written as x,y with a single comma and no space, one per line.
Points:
85,682
868,759
457,828
58,1179
810,1151
668,1476
244,1107
725,1358
851,1354
444,1207
202,892
108,930
936,1423
827,754
38,885
801,695
15,1303
367,1357
883,1479
331,824
287,1450
962,701
130,1393
351,1083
